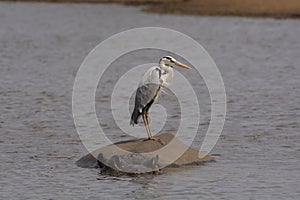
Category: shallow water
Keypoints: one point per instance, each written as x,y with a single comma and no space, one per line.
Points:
41,48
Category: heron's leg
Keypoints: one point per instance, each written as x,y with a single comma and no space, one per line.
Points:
150,137
146,124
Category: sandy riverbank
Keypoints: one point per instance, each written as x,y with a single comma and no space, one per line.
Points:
251,8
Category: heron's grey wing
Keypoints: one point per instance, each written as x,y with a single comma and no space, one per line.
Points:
149,88
145,94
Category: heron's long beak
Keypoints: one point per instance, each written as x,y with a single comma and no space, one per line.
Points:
182,65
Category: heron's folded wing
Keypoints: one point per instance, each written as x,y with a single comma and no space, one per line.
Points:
149,88
146,93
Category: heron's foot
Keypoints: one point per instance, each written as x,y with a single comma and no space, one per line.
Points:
157,139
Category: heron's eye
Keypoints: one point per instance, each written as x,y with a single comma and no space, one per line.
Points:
167,65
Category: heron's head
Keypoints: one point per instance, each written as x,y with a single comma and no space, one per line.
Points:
169,61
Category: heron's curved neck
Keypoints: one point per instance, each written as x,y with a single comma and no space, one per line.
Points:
165,68
167,74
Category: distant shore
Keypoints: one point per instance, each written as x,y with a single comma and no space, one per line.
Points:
249,8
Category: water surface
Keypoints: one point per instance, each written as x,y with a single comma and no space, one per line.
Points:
41,48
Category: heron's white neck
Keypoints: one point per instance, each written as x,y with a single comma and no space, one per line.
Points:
167,73
165,68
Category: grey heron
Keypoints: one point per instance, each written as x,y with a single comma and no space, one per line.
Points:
149,89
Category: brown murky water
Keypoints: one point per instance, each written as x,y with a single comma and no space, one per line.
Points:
41,48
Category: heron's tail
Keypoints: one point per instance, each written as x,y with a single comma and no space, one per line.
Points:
135,116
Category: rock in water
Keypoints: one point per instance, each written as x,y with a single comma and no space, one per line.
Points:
137,157
132,162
